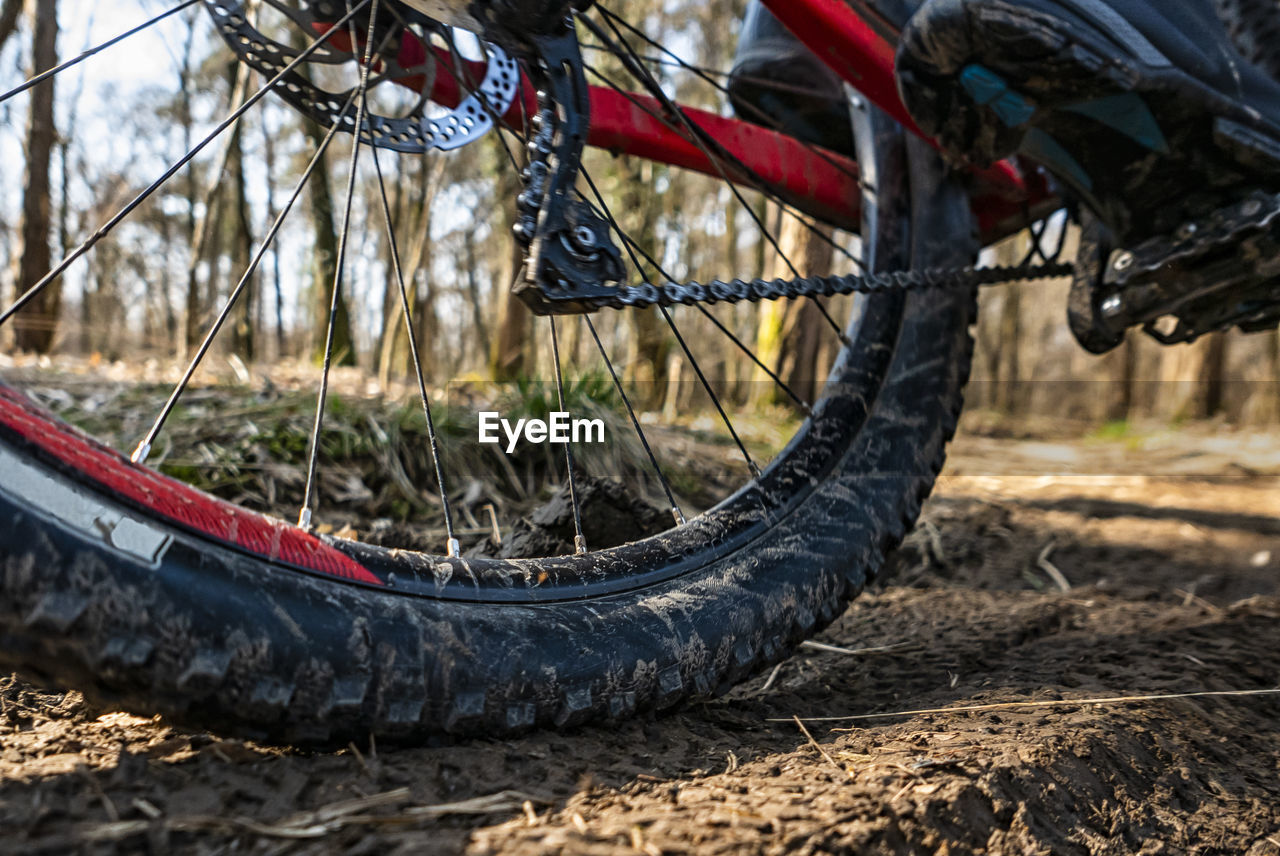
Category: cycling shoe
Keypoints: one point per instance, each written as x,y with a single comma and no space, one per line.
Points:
1144,109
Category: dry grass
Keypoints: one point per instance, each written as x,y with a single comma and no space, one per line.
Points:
248,442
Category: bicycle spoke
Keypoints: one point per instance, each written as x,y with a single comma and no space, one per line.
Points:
676,61
709,76
579,539
633,248
676,511
84,55
715,399
771,122
695,137
693,361
313,454
805,406
699,137
454,548
143,450
655,89
30,294
758,184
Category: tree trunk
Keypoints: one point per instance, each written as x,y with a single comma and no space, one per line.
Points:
241,237
393,350
325,264
389,357
35,330
507,358
191,304
1008,389
480,331
10,11
1269,410
207,229
1121,404
791,337
651,344
1194,377
510,354
277,288
1213,377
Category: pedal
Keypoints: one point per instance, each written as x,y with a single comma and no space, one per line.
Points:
1220,271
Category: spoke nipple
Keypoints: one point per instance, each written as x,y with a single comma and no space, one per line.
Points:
678,515
141,453
304,519
580,544
755,470
454,549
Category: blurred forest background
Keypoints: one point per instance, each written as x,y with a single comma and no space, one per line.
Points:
76,149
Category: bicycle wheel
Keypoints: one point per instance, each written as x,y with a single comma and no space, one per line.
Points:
139,591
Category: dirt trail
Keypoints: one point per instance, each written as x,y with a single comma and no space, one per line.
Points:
1170,566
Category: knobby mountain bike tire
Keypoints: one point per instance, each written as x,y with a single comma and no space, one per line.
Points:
147,595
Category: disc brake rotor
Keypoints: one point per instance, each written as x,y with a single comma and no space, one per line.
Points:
416,132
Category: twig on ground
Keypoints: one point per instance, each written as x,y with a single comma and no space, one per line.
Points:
836,649
364,765
491,804
1011,705
107,805
1190,597
307,825
773,676
935,543
1051,570
346,808
147,808
493,520
821,751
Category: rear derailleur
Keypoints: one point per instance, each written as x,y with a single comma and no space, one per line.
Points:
1214,273
572,262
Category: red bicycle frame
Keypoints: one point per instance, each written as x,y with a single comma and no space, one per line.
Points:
822,183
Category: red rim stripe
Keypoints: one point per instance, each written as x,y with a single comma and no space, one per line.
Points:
173,501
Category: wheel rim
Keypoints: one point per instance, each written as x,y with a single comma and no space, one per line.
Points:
732,524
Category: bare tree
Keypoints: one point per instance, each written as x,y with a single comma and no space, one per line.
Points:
36,329
511,354
240,236
325,264
10,12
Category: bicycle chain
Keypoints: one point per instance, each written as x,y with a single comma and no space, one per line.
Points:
1225,227
647,295
737,290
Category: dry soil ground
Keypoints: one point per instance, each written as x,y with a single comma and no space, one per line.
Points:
1026,584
